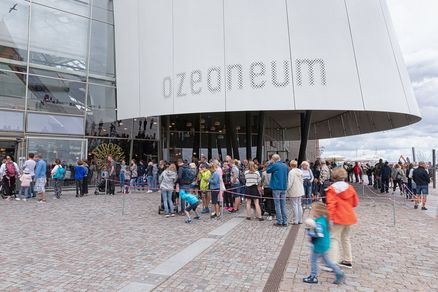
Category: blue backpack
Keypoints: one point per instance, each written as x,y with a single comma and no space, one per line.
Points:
60,173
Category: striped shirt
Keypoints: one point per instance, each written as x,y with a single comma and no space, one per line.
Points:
252,178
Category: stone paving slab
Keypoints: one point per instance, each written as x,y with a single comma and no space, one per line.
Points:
386,258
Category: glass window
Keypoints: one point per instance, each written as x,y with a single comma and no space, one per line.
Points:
105,4
11,121
56,95
13,67
58,39
102,123
103,15
101,97
14,29
42,123
68,151
102,49
12,90
146,128
76,7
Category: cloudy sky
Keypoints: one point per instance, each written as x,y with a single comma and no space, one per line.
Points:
416,24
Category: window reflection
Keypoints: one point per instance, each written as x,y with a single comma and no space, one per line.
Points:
58,39
14,29
56,95
11,121
80,7
102,49
12,90
42,123
101,97
69,151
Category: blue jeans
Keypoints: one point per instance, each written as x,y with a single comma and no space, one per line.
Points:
167,201
133,183
25,193
280,206
122,180
152,183
307,193
314,263
140,183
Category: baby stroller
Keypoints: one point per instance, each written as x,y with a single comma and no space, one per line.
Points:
161,206
102,184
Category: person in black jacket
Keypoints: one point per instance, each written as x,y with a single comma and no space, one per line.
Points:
422,179
385,176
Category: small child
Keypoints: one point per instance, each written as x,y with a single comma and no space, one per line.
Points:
192,202
318,231
127,182
26,180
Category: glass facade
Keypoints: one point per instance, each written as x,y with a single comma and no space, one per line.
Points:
57,82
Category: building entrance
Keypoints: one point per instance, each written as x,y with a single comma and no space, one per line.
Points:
8,148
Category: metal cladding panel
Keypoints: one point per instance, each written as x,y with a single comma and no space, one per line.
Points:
257,55
199,56
156,57
378,71
339,58
127,59
325,72
410,97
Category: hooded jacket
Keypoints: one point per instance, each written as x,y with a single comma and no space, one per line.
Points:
167,180
295,187
341,201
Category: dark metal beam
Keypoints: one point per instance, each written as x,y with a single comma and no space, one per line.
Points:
306,119
260,135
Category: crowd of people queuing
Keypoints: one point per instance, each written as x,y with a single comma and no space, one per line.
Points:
226,186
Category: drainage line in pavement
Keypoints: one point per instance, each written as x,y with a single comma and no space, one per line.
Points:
274,280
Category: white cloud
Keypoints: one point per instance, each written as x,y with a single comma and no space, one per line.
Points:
416,26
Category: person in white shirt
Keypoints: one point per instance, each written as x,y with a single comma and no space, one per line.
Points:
295,190
30,165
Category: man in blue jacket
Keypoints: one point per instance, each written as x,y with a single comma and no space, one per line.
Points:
278,184
40,178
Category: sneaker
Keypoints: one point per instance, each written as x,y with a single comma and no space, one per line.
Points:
269,218
278,225
231,210
205,211
172,215
284,224
188,220
415,206
339,278
261,219
167,216
17,199
213,215
346,264
24,199
310,280
197,217
248,218
423,208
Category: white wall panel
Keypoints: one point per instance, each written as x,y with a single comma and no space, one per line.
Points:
199,56
381,84
413,106
156,57
320,37
257,41
127,58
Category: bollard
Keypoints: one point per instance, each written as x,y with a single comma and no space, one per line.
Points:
106,186
123,203
393,206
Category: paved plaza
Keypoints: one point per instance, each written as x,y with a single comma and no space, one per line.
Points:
87,244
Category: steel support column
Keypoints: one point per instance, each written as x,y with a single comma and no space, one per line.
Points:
306,119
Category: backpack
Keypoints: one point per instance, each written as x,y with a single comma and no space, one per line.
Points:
187,176
60,173
10,169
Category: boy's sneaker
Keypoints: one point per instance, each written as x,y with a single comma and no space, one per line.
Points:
346,264
197,217
340,278
188,220
311,280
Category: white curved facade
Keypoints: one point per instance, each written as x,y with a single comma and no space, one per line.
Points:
339,58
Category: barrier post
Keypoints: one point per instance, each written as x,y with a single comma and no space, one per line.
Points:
222,207
106,186
393,206
123,203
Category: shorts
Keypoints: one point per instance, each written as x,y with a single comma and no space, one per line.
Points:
214,197
192,207
422,190
204,194
40,185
